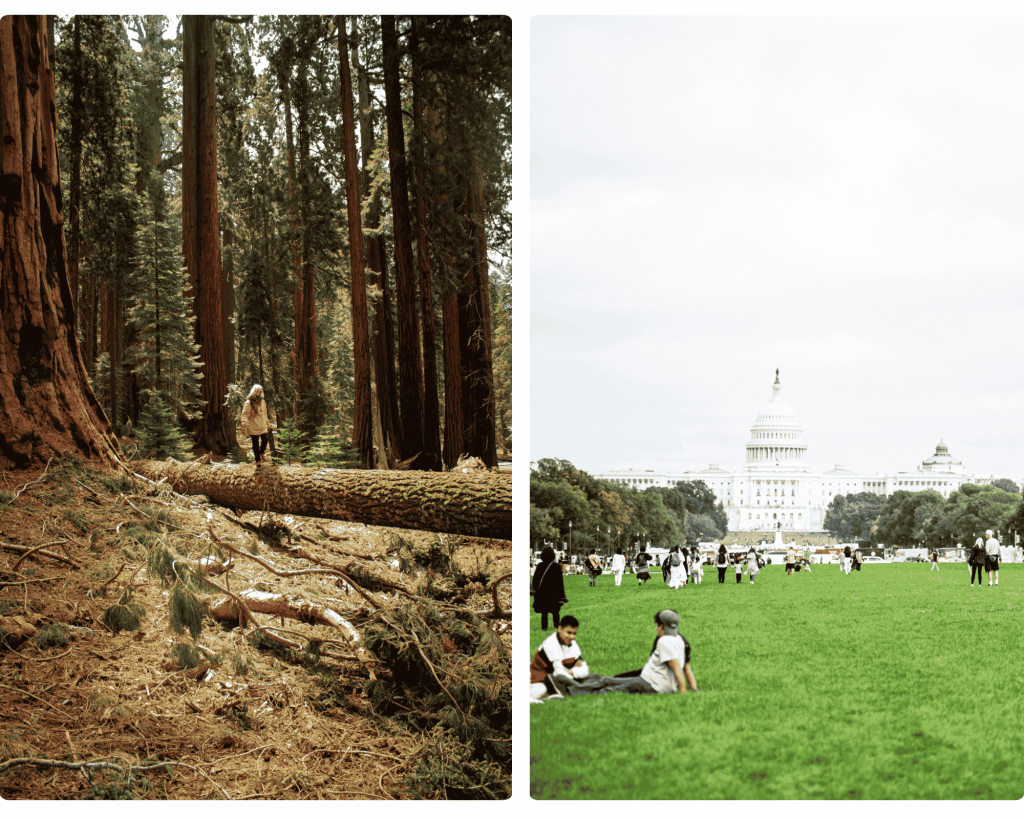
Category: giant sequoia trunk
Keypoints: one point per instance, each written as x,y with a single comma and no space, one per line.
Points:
410,359
201,229
362,414
431,414
478,503
46,404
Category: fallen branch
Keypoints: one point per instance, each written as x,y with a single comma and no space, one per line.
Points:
270,568
294,608
498,612
84,766
30,483
27,550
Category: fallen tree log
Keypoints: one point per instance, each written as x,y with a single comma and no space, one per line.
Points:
475,503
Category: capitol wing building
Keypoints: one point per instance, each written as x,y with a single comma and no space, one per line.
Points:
775,488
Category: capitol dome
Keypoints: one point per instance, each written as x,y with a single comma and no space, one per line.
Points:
776,438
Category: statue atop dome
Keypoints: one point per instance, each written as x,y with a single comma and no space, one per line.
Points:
776,375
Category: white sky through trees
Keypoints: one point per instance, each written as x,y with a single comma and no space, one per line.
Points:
838,197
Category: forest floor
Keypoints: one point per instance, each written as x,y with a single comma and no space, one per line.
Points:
232,712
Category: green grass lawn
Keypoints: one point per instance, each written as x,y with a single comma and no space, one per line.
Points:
895,682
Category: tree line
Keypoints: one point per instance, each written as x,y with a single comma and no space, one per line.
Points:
926,518
319,204
605,515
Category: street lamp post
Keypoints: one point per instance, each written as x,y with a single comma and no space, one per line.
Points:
570,542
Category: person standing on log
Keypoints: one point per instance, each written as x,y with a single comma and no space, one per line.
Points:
255,423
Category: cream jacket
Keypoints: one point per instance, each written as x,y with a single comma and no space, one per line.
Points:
255,423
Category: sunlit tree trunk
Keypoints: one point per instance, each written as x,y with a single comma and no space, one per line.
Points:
201,229
46,404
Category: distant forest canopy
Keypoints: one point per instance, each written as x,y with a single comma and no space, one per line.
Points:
603,515
212,169
926,519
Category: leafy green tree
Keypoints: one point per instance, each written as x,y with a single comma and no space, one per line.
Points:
852,518
905,515
970,511
1006,485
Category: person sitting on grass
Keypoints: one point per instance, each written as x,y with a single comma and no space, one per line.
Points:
666,671
558,657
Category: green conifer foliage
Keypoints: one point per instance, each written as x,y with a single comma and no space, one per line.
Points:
163,358
291,446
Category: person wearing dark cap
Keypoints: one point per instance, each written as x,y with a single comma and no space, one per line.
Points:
666,671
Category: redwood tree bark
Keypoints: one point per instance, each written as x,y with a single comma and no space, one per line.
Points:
46,404
410,359
431,416
362,415
201,229
472,503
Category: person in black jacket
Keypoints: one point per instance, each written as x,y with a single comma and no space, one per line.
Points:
548,588
977,560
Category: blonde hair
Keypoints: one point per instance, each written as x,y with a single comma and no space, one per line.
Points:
255,398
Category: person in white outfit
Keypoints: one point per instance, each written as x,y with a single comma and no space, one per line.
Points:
752,567
992,557
676,567
618,566
696,567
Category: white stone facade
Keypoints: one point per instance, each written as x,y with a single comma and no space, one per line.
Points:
775,488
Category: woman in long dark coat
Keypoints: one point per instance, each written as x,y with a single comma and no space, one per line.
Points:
548,588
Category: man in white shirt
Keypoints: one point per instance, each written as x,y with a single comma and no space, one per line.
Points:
992,557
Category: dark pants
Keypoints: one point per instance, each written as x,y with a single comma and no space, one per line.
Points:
739,577
721,573
259,444
544,618
980,569
856,566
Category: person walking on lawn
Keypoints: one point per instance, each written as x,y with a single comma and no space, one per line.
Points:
643,572
593,566
722,563
738,563
935,561
977,560
753,565
618,565
992,557
548,588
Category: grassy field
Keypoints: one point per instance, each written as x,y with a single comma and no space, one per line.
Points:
892,683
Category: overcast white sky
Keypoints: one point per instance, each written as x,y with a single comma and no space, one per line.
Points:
715,197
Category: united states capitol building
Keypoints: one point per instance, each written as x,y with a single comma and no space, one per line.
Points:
775,489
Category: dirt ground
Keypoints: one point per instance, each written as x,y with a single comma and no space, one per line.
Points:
246,723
